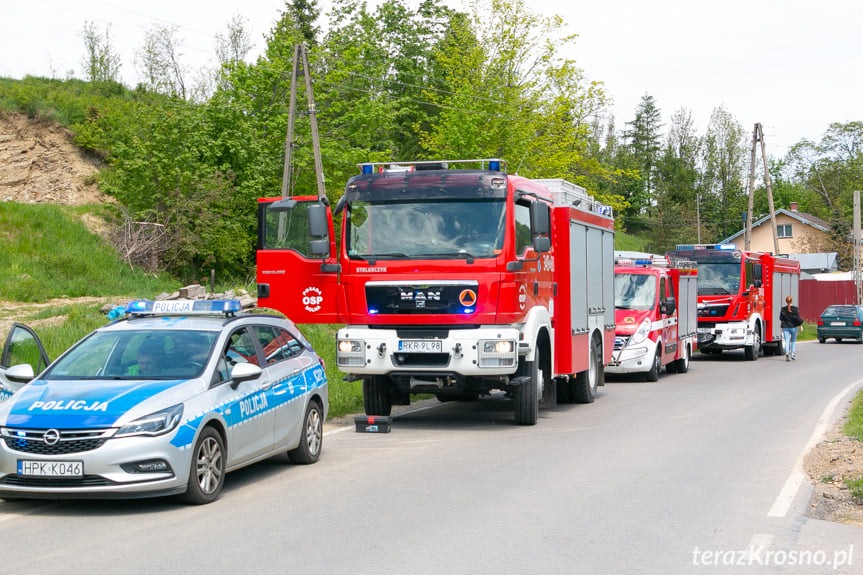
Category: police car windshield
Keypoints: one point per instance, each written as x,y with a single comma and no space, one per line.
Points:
634,291
417,228
138,354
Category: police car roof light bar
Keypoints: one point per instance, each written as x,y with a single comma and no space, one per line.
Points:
228,307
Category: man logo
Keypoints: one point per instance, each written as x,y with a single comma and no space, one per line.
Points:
467,297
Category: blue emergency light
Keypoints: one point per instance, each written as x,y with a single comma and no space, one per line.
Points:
494,165
183,307
367,168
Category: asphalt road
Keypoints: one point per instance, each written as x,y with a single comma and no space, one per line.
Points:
695,473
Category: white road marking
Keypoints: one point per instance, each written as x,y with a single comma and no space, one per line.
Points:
797,476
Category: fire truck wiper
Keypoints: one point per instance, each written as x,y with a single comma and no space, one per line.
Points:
392,255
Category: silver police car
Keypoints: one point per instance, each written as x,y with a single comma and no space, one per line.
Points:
165,401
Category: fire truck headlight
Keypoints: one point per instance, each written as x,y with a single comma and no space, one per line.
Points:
738,331
642,332
350,352
497,353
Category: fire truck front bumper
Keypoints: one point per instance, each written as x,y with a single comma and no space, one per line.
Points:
725,336
470,352
631,358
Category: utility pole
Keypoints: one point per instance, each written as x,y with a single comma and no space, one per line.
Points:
758,136
857,280
747,234
301,66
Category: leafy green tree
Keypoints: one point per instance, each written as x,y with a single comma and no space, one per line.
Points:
160,61
725,154
101,62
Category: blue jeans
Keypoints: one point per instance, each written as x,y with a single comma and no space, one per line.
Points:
789,336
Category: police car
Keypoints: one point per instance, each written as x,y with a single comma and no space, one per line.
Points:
164,401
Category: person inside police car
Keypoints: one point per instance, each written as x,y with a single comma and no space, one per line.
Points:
149,360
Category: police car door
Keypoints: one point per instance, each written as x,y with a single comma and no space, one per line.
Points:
248,411
287,362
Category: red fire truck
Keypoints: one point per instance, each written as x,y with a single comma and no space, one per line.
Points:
453,278
655,308
740,295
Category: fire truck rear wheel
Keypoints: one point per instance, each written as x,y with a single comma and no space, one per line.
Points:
682,365
585,383
376,396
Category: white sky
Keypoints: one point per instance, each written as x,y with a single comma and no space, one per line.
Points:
795,66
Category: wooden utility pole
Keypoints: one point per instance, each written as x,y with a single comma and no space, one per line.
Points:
857,279
758,136
301,66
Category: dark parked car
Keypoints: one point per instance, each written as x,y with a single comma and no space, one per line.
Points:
841,322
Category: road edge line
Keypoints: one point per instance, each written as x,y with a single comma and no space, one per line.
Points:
795,479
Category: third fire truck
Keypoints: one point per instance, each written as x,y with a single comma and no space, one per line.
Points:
655,308
452,278
740,295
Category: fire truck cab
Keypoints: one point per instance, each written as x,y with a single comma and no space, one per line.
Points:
655,308
452,278
740,295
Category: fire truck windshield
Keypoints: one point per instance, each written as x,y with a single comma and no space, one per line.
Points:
415,229
718,278
634,291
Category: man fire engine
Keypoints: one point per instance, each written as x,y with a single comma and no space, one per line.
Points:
655,308
453,278
740,295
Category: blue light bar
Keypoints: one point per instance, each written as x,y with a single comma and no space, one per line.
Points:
183,307
367,168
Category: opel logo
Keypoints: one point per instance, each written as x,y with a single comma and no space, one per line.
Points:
51,437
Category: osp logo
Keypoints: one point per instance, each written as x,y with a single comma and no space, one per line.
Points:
312,299
522,296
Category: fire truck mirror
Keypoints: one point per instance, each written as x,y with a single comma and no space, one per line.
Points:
318,224
541,244
668,306
757,284
320,248
540,219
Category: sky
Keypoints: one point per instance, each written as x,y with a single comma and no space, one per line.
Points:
792,65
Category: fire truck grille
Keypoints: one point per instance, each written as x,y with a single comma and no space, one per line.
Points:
713,311
421,359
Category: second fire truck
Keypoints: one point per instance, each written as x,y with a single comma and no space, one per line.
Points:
655,308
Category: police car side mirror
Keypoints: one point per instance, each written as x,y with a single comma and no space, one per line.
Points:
244,372
21,373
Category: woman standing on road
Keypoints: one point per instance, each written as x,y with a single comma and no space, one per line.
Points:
790,320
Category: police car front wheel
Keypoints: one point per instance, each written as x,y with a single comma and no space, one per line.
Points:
207,474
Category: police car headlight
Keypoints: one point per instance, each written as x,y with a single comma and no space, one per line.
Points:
157,423
642,332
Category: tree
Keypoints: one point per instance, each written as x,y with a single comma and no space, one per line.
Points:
643,141
232,47
101,62
159,61
724,161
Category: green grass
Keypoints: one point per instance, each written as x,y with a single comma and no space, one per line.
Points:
47,252
854,425
627,242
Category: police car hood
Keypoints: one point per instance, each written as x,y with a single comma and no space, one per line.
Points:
81,404
628,320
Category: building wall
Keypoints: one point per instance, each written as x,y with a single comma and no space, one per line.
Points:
801,241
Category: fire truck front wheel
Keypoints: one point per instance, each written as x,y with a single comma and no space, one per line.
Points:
751,352
652,374
376,395
527,394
